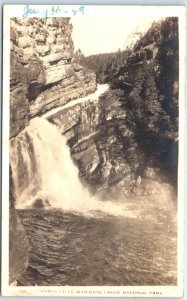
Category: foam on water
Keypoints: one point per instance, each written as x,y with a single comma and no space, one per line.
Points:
42,169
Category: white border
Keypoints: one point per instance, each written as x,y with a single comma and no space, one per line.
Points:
92,291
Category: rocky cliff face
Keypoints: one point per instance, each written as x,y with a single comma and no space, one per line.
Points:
18,247
43,75
100,142
18,243
149,81
43,72
123,137
131,130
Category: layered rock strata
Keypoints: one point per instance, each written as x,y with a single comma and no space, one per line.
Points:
132,128
105,139
44,73
149,80
100,142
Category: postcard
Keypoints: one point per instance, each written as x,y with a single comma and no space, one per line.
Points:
93,150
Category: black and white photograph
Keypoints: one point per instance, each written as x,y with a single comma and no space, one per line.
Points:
93,112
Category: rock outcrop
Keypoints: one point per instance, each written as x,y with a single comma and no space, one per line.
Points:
135,125
149,80
118,141
18,247
112,138
18,242
99,141
107,139
44,73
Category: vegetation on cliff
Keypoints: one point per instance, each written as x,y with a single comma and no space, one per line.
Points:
153,97
129,134
104,65
147,77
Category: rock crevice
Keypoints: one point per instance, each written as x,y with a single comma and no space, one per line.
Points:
118,141
44,74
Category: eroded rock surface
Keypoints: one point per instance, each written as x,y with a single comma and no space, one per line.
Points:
44,73
132,128
103,134
18,247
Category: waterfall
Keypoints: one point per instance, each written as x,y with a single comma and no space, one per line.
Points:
43,172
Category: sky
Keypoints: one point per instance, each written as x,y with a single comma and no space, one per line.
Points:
101,34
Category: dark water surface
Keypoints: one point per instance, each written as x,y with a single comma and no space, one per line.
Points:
71,249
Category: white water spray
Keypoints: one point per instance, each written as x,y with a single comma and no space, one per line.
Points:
42,168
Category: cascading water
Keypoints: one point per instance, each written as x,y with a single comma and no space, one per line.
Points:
76,235
43,170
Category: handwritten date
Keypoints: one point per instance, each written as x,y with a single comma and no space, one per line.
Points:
52,11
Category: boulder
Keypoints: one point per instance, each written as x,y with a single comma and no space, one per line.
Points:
41,203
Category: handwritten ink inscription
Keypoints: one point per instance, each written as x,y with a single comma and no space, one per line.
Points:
52,11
